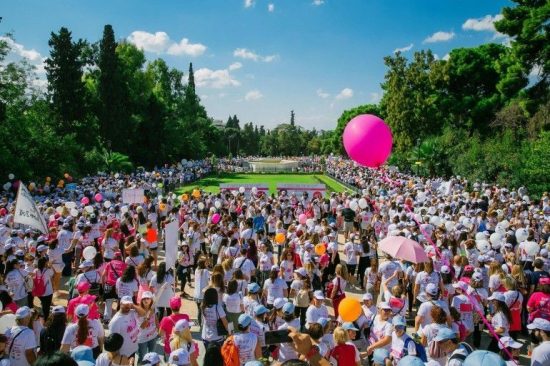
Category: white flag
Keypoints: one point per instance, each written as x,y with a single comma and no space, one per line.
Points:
171,244
26,212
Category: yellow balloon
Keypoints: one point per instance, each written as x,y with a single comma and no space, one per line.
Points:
320,249
280,238
349,309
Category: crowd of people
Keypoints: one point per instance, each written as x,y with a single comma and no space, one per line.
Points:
267,273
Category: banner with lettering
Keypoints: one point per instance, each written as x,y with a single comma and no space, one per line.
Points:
26,212
134,195
313,190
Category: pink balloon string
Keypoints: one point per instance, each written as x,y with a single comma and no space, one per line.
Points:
474,301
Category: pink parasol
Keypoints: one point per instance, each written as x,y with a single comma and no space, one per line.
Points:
402,248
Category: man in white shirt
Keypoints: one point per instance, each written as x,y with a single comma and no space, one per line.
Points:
245,265
541,353
317,309
126,322
21,339
386,270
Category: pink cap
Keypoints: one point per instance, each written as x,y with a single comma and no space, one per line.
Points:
175,303
83,286
544,281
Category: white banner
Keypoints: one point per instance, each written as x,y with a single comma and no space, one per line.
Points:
171,244
134,195
26,212
230,187
313,190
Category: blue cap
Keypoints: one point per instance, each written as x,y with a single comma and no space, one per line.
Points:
399,321
259,310
410,361
83,353
483,358
288,308
253,287
322,321
254,363
245,320
349,326
444,334
379,356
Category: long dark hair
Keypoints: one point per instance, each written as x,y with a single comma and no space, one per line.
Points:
82,332
129,274
210,298
5,299
10,266
161,272
42,261
501,306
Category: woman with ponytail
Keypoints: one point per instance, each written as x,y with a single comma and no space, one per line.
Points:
85,332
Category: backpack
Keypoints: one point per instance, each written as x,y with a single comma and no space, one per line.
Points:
462,331
434,350
460,356
230,353
420,350
39,288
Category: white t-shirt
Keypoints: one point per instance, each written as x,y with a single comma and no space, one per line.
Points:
288,270
126,288
247,267
275,289
499,321
202,276
128,326
110,246
95,331
24,341
163,291
233,302
541,355
465,308
424,278
209,319
15,280
258,328
246,343
494,282
380,329
350,249
313,313
150,331
134,261
430,331
424,310
387,269
266,261
398,345
339,284
286,352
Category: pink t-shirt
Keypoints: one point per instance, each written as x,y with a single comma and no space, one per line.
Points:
539,302
167,324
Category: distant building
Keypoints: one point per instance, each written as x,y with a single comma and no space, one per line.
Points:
218,124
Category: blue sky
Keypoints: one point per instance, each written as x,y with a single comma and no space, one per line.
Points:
260,59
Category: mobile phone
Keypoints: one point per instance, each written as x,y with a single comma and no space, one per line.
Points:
277,336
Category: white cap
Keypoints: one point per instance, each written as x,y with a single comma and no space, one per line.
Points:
126,300
179,357
540,323
318,295
181,325
509,342
279,302
445,269
367,296
23,312
147,295
301,271
431,289
82,310
499,296
384,305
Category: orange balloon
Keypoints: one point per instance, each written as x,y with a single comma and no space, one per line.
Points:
320,249
151,236
280,238
185,197
162,206
349,309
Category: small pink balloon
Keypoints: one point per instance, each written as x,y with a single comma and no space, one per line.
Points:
216,218
302,219
368,140
98,197
85,200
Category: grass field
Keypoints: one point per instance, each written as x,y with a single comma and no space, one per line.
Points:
212,183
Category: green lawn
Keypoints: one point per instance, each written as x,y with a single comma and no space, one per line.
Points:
212,183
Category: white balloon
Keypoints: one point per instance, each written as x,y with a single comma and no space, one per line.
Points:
521,234
89,209
159,197
235,193
107,204
353,205
11,176
173,196
241,190
6,322
310,223
254,190
505,224
532,248
435,220
74,212
117,175
200,206
495,238
89,253
365,191
363,203
218,204
59,209
449,225
124,209
7,186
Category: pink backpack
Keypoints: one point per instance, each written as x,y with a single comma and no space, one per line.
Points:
39,286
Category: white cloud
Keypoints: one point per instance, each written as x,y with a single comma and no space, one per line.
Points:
374,97
318,2
235,66
271,8
253,95
251,55
446,57
248,3
41,84
487,23
186,48
440,37
536,71
160,42
216,79
30,54
346,93
404,49
322,94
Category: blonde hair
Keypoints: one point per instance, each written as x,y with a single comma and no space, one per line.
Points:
510,283
496,268
180,339
341,271
340,335
227,264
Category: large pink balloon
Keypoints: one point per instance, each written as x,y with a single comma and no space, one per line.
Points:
216,218
368,140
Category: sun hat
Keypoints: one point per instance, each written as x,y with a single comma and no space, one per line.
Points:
259,310
278,303
483,358
151,358
444,334
23,312
499,296
318,295
349,326
82,310
175,303
288,308
410,361
126,300
244,320
541,324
